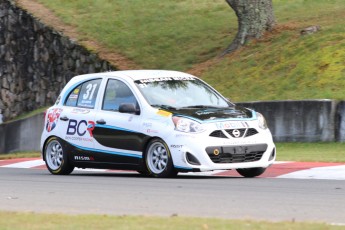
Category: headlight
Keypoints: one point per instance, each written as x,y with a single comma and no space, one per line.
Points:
261,121
187,125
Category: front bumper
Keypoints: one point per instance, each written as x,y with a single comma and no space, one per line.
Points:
195,153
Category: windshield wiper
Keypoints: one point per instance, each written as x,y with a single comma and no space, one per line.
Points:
164,106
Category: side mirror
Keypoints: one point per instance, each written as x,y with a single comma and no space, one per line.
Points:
129,108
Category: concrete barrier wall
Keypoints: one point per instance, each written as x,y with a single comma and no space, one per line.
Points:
21,135
299,121
340,122
289,121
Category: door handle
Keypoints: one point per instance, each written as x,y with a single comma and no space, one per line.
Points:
64,118
101,122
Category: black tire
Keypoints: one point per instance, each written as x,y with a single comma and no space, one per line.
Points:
56,157
143,172
158,159
251,172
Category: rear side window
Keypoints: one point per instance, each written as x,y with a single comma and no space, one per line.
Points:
84,95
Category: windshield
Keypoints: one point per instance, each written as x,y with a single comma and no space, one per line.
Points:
187,92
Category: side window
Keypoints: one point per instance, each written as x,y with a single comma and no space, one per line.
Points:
117,93
84,95
73,97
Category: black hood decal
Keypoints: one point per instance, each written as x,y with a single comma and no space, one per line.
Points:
204,114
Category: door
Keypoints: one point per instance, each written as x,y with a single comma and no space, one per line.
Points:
117,134
78,119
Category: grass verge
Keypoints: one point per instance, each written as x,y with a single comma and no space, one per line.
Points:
28,114
311,152
6,156
11,220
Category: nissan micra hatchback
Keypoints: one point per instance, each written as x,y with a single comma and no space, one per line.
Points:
156,122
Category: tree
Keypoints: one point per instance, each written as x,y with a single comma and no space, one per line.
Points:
255,17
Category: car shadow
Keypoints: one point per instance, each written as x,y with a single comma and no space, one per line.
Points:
138,175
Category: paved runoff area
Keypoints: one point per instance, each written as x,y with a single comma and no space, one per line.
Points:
290,170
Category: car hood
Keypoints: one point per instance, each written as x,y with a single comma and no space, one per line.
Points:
213,113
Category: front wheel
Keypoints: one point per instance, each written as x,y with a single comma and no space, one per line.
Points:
56,157
158,159
251,172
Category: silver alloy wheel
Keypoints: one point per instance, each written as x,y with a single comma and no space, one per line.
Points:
157,158
54,155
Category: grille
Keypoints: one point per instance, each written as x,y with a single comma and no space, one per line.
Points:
251,132
236,154
218,133
236,158
242,133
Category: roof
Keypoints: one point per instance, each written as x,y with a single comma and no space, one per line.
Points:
140,74
132,74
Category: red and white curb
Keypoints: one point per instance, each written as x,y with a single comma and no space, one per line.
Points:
290,170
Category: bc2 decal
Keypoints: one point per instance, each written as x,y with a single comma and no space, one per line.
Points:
80,127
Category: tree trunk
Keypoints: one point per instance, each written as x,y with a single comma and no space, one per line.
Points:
254,18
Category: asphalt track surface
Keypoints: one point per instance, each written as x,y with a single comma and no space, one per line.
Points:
128,193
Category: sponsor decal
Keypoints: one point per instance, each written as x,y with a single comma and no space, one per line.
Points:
241,142
80,128
159,119
152,131
80,111
147,124
86,103
204,112
52,119
74,138
231,125
185,136
164,113
72,96
176,146
182,78
83,158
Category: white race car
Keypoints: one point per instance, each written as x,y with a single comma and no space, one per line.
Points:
156,122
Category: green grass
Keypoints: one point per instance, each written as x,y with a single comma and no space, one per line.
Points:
5,156
179,34
287,65
155,34
10,220
28,114
318,152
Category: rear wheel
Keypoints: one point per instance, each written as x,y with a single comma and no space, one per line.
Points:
56,157
251,172
158,159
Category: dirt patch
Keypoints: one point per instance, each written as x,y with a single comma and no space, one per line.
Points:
48,17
